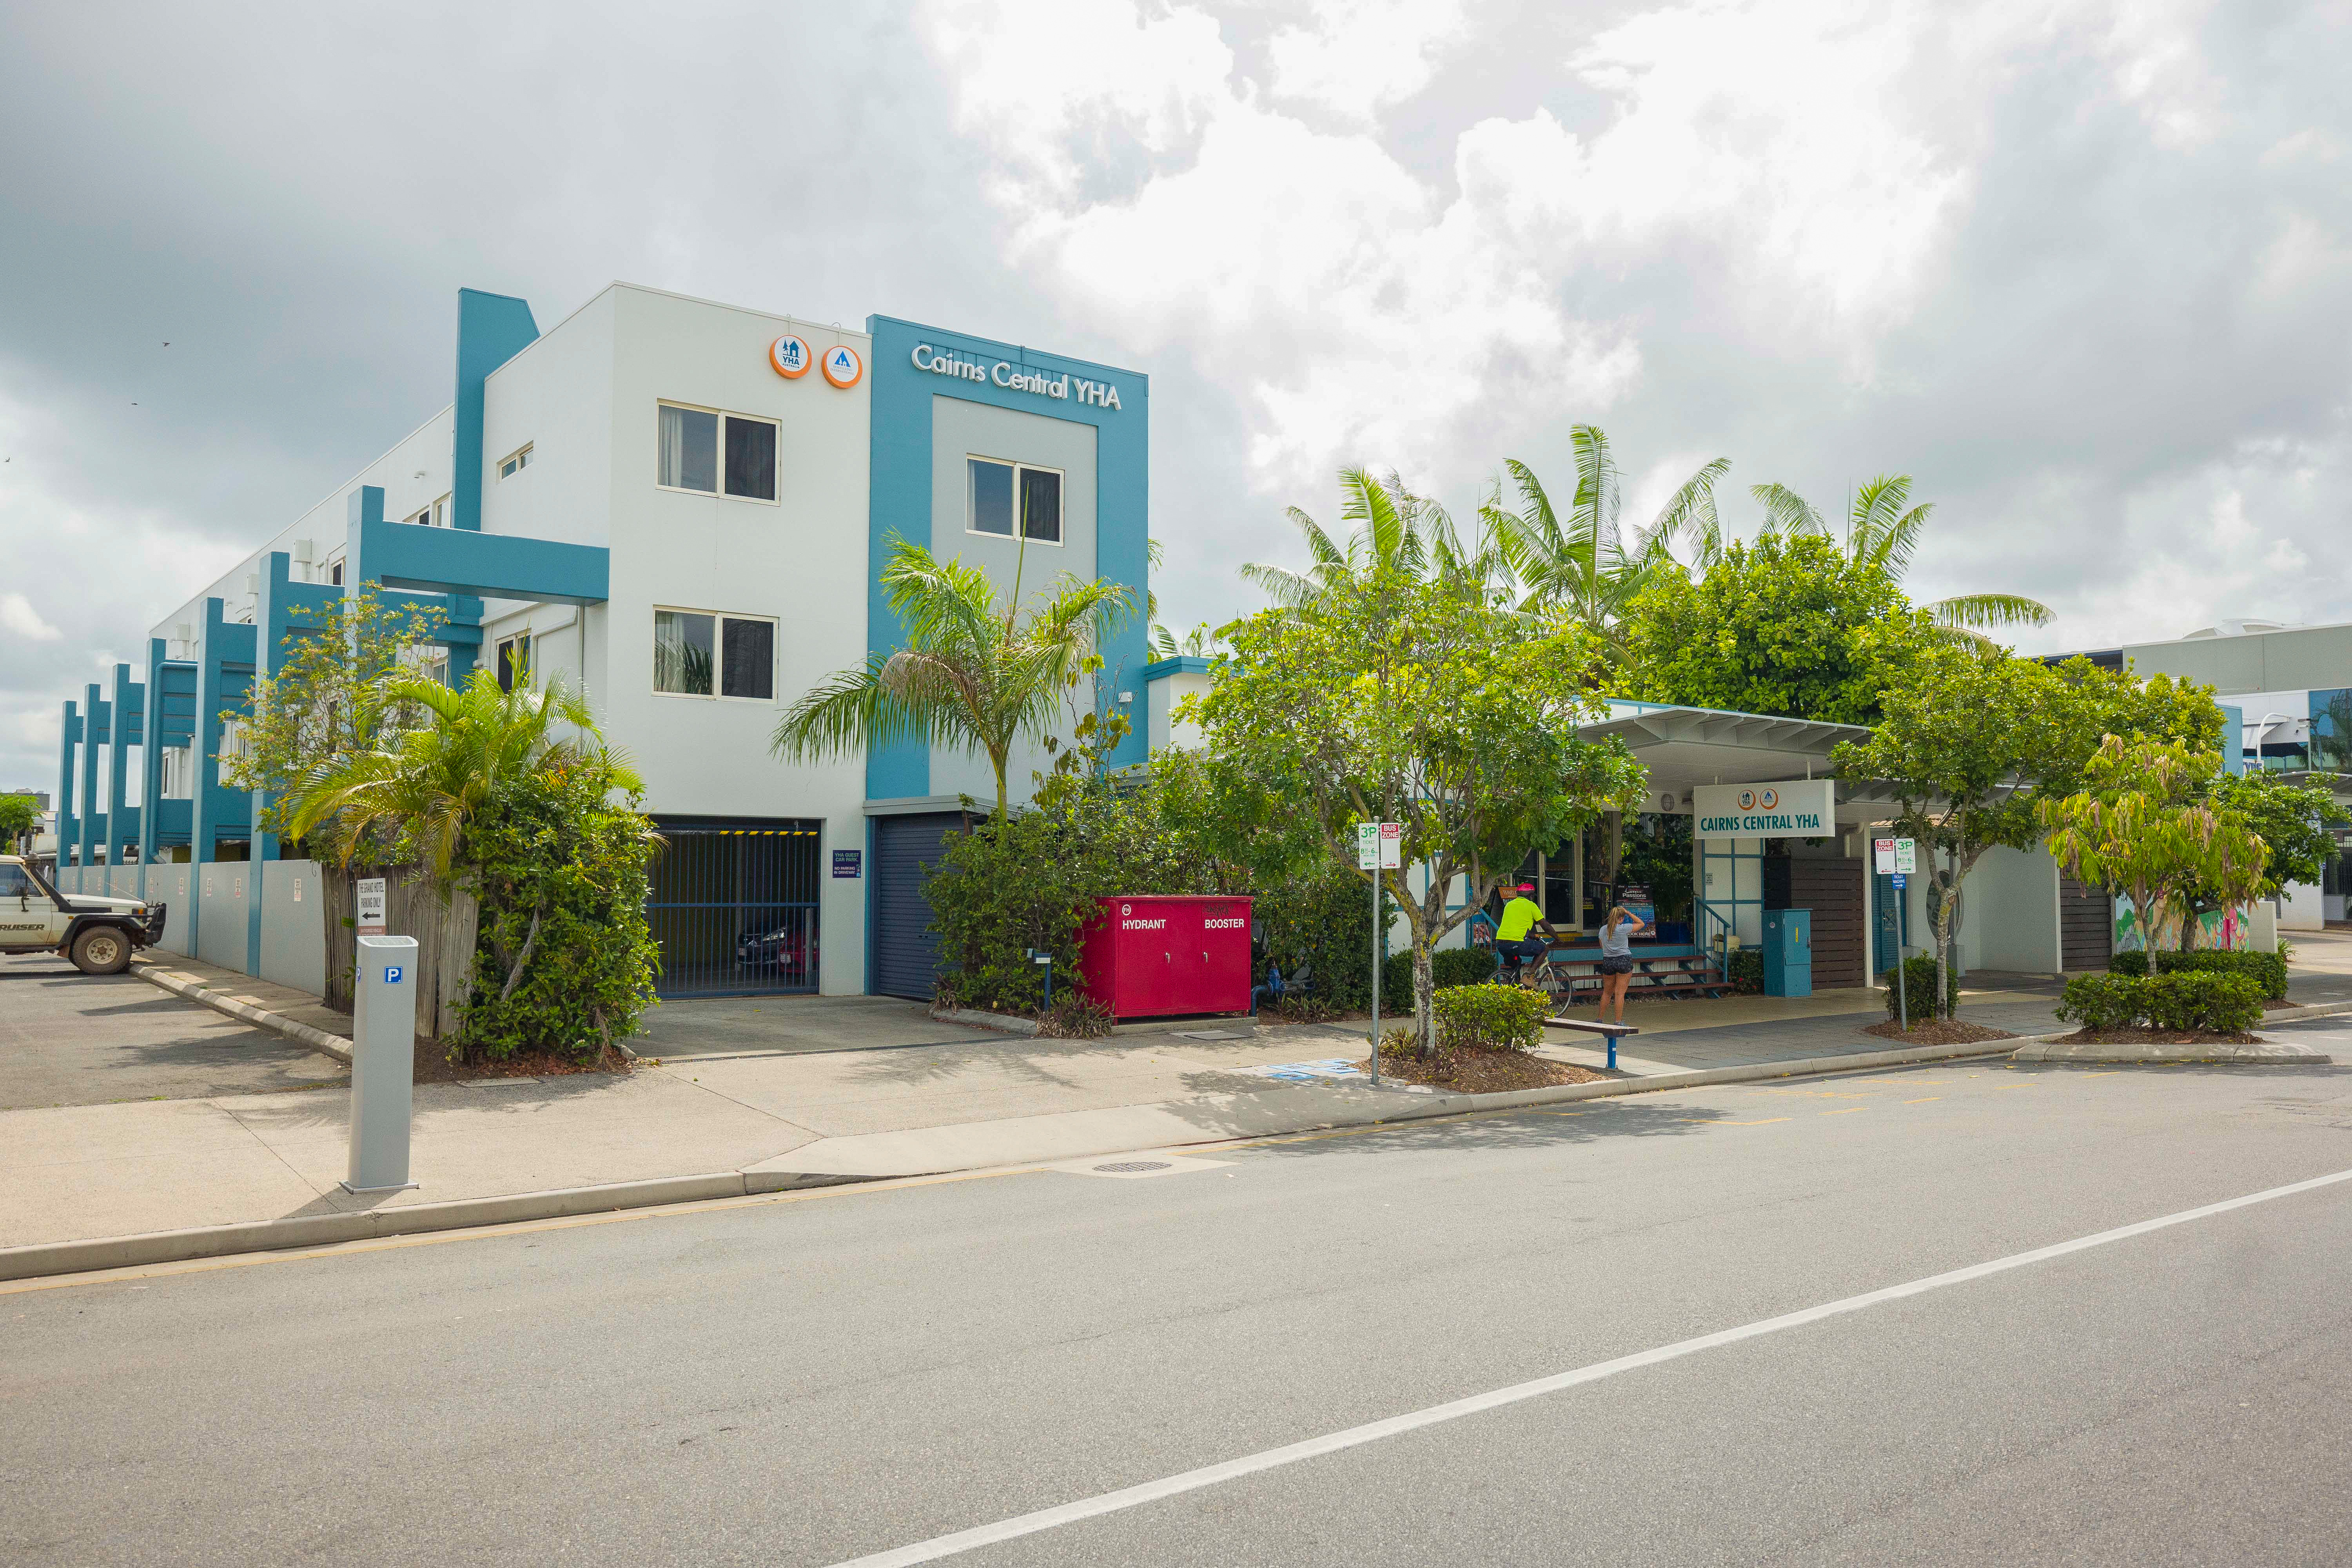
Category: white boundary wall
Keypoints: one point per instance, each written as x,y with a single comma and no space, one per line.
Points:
294,925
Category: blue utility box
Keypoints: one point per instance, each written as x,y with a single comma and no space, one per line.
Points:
1788,952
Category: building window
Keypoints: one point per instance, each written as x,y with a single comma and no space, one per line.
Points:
514,463
997,490
335,569
514,660
695,650
710,453
434,516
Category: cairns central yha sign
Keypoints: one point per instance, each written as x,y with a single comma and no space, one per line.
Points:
1798,808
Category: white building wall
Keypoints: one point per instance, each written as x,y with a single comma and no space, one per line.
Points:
1167,692
800,561
2302,908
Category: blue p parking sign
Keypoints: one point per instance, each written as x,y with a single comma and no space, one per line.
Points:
392,974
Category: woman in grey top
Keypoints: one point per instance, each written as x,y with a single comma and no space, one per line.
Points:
1617,934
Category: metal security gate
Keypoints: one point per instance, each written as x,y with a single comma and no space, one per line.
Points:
906,953
734,905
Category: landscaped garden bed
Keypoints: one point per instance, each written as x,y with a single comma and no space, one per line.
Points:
1938,1032
1484,1033
1471,1070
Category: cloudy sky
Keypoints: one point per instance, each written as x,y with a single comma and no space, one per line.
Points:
2080,268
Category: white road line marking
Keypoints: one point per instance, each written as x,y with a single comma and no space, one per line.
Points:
963,1540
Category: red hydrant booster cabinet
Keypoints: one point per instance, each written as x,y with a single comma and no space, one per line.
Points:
1148,957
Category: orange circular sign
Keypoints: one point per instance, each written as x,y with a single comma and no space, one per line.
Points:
791,357
843,365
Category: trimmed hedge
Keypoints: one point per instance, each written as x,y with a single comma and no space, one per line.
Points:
1919,988
2268,969
1489,1017
2206,1002
1448,967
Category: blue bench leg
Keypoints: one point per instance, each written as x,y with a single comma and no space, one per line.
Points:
1613,1053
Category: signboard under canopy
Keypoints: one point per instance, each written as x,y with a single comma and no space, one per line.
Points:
1796,808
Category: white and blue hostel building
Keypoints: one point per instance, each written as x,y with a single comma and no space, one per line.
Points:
683,507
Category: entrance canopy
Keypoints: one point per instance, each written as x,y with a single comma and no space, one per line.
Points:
1684,747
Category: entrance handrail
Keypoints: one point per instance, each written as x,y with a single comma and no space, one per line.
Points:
1722,954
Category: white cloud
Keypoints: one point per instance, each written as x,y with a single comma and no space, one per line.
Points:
17,616
1356,57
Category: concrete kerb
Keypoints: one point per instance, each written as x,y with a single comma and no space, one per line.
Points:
318,1040
405,1220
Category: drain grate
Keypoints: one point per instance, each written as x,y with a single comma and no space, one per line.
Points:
1128,1167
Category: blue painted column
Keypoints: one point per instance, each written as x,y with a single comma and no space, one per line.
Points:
128,711
150,761
491,330
272,625
203,821
93,731
68,740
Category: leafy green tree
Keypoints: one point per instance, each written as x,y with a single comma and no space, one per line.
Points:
2292,820
1954,746
1578,564
19,817
975,674
2145,825
1789,626
1387,696
1974,741
1882,532
418,791
331,699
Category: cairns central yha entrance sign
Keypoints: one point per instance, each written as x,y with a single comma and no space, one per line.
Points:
1799,808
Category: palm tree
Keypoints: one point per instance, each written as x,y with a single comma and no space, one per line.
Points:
427,782
1582,564
974,674
1198,643
1395,530
1880,533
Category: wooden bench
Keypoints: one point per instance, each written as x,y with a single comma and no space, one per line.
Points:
1614,1031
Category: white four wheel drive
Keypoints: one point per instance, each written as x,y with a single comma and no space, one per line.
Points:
99,934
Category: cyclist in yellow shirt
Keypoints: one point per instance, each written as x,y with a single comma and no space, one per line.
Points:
1513,944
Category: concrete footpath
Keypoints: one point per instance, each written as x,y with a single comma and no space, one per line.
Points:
107,1186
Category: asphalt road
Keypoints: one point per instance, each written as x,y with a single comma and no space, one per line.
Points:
808,1379
70,1039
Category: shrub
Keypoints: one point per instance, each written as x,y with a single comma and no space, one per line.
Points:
1919,987
564,960
2267,969
1075,1016
2102,1002
1489,1017
2204,1002
1448,967
1744,968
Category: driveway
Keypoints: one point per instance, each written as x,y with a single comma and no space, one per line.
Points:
761,1026
69,1038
